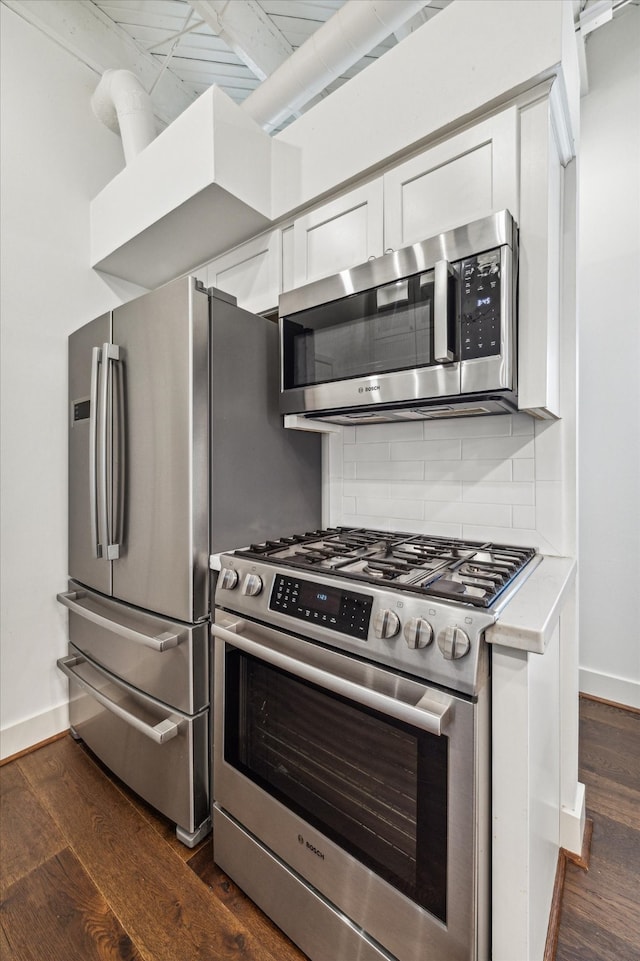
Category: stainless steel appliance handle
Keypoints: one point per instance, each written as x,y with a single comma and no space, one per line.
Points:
442,353
110,354
93,453
161,642
160,733
424,713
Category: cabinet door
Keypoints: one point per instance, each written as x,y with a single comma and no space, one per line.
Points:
468,176
338,235
251,273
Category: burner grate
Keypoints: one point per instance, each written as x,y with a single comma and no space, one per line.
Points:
459,570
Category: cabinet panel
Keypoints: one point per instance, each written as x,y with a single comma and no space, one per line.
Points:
250,272
469,176
540,263
288,258
340,234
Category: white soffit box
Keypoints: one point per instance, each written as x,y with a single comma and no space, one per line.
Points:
202,186
474,56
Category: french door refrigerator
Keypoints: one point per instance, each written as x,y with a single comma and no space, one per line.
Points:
176,451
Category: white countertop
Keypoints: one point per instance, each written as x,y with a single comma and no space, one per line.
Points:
529,619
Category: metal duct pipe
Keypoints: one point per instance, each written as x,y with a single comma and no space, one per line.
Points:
124,106
354,30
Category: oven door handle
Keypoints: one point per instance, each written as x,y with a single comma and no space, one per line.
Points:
425,713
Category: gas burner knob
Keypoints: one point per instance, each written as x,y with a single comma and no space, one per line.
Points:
228,579
386,624
418,632
453,643
252,585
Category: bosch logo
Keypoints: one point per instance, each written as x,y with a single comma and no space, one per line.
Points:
367,390
311,847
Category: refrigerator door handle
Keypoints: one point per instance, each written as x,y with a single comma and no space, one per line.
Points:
160,733
110,354
96,546
160,643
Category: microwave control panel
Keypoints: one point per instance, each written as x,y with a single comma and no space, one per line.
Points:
480,305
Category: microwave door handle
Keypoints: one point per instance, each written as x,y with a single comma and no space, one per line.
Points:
425,714
110,354
96,360
442,353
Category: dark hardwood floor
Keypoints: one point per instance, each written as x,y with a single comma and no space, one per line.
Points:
600,918
88,871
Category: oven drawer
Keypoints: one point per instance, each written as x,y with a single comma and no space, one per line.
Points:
308,918
160,753
168,660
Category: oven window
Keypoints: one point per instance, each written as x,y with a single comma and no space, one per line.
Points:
381,330
375,786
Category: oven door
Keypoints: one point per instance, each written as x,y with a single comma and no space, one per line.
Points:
361,783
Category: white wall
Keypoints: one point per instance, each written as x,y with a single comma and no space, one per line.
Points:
609,363
55,157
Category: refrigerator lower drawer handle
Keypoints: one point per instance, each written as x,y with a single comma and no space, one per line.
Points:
161,642
163,731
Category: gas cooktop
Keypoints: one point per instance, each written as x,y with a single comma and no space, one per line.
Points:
464,571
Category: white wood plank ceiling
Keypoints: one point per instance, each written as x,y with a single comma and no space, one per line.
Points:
179,48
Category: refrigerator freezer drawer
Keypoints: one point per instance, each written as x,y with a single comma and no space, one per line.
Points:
160,753
166,659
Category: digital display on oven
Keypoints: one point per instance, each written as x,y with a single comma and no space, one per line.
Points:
319,599
330,607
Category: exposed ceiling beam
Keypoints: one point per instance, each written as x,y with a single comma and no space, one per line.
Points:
248,31
405,29
81,28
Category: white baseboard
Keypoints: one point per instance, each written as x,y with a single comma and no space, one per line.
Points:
620,690
572,821
25,734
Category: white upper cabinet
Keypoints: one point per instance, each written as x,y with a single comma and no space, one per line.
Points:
510,160
341,234
251,272
464,178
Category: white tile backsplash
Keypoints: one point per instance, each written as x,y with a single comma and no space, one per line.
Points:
490,478
390,470
449,449
497,448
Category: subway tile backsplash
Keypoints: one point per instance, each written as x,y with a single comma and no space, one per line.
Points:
482,478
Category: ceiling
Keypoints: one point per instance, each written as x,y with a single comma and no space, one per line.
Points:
235,44
179,48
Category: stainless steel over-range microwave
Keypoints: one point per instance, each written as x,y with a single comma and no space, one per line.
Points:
428,331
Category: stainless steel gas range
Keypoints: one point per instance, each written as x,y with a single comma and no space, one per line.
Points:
351,745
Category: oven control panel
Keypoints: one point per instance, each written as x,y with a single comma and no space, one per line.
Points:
321,604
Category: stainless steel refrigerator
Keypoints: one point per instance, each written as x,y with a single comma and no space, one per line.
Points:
176,451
